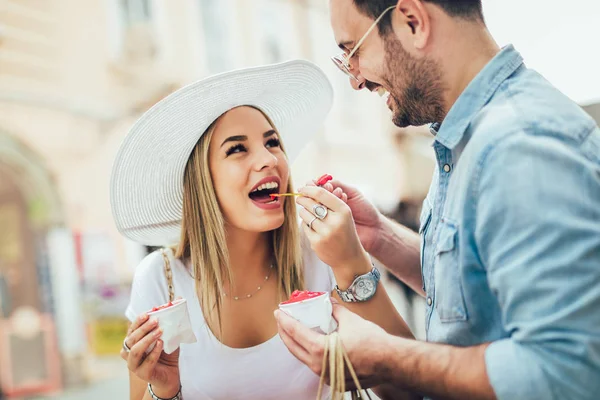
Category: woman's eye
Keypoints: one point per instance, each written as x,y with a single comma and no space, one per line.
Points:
238,148
273,143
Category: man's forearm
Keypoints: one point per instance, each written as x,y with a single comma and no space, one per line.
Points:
398,248
436,370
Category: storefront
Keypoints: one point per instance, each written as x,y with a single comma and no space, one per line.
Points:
29,210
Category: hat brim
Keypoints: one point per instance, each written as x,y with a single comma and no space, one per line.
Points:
147,176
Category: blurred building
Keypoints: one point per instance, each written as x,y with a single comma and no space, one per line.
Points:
74,76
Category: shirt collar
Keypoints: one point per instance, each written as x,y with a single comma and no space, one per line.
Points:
476,95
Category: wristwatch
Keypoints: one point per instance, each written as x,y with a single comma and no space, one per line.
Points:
362,288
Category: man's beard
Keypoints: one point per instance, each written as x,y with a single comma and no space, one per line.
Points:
415,86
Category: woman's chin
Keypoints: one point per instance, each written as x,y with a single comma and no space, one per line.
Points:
257,222
269,223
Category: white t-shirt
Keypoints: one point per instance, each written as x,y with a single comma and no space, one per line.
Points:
210,370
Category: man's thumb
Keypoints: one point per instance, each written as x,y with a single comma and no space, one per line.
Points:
341,313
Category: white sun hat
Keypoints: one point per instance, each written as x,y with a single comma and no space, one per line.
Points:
146,189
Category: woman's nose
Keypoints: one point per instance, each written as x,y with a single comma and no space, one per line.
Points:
266,159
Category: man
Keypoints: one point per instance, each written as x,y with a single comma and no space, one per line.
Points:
509,250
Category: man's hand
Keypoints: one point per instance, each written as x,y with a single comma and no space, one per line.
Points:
363,341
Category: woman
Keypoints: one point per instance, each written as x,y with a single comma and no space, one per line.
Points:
198,170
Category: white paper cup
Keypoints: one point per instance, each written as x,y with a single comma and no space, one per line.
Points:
314,313
175,324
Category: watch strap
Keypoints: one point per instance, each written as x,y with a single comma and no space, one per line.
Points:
345,295
155,397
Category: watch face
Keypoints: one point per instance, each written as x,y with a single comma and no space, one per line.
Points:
364,289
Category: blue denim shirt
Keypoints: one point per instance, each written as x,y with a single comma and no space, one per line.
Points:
510,234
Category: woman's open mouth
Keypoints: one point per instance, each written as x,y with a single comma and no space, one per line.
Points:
261,195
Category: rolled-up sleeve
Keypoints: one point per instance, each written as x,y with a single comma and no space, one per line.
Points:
538,234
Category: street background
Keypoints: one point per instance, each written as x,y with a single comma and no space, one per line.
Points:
76,74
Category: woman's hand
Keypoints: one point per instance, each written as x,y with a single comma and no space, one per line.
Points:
367,218
333,238
159,369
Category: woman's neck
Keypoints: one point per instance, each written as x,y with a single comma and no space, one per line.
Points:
250,254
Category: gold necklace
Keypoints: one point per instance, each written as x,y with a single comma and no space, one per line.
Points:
257,289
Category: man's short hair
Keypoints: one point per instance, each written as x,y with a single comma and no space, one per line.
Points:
466,9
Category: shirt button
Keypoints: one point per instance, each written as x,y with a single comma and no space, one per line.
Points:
429,301
447,168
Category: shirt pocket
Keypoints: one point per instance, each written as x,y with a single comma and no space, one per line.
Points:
449,297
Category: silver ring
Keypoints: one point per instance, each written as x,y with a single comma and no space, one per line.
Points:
320,211
311,222
125,347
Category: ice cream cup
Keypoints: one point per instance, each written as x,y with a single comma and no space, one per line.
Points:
174,320
315,313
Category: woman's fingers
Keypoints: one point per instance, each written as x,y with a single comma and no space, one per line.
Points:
137,334
307,203
338,191
146,368
310,221
322,196
138,351
131,339
137,323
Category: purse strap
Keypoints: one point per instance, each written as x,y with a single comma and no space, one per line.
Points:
168,274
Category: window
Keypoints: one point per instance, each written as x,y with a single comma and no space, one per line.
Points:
275,23
130,30
135,12
217,36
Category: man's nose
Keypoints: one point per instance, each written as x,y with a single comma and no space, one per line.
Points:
358,83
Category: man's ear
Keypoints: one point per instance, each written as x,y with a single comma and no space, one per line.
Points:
411,22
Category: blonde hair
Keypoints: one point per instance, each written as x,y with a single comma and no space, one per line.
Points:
203,237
